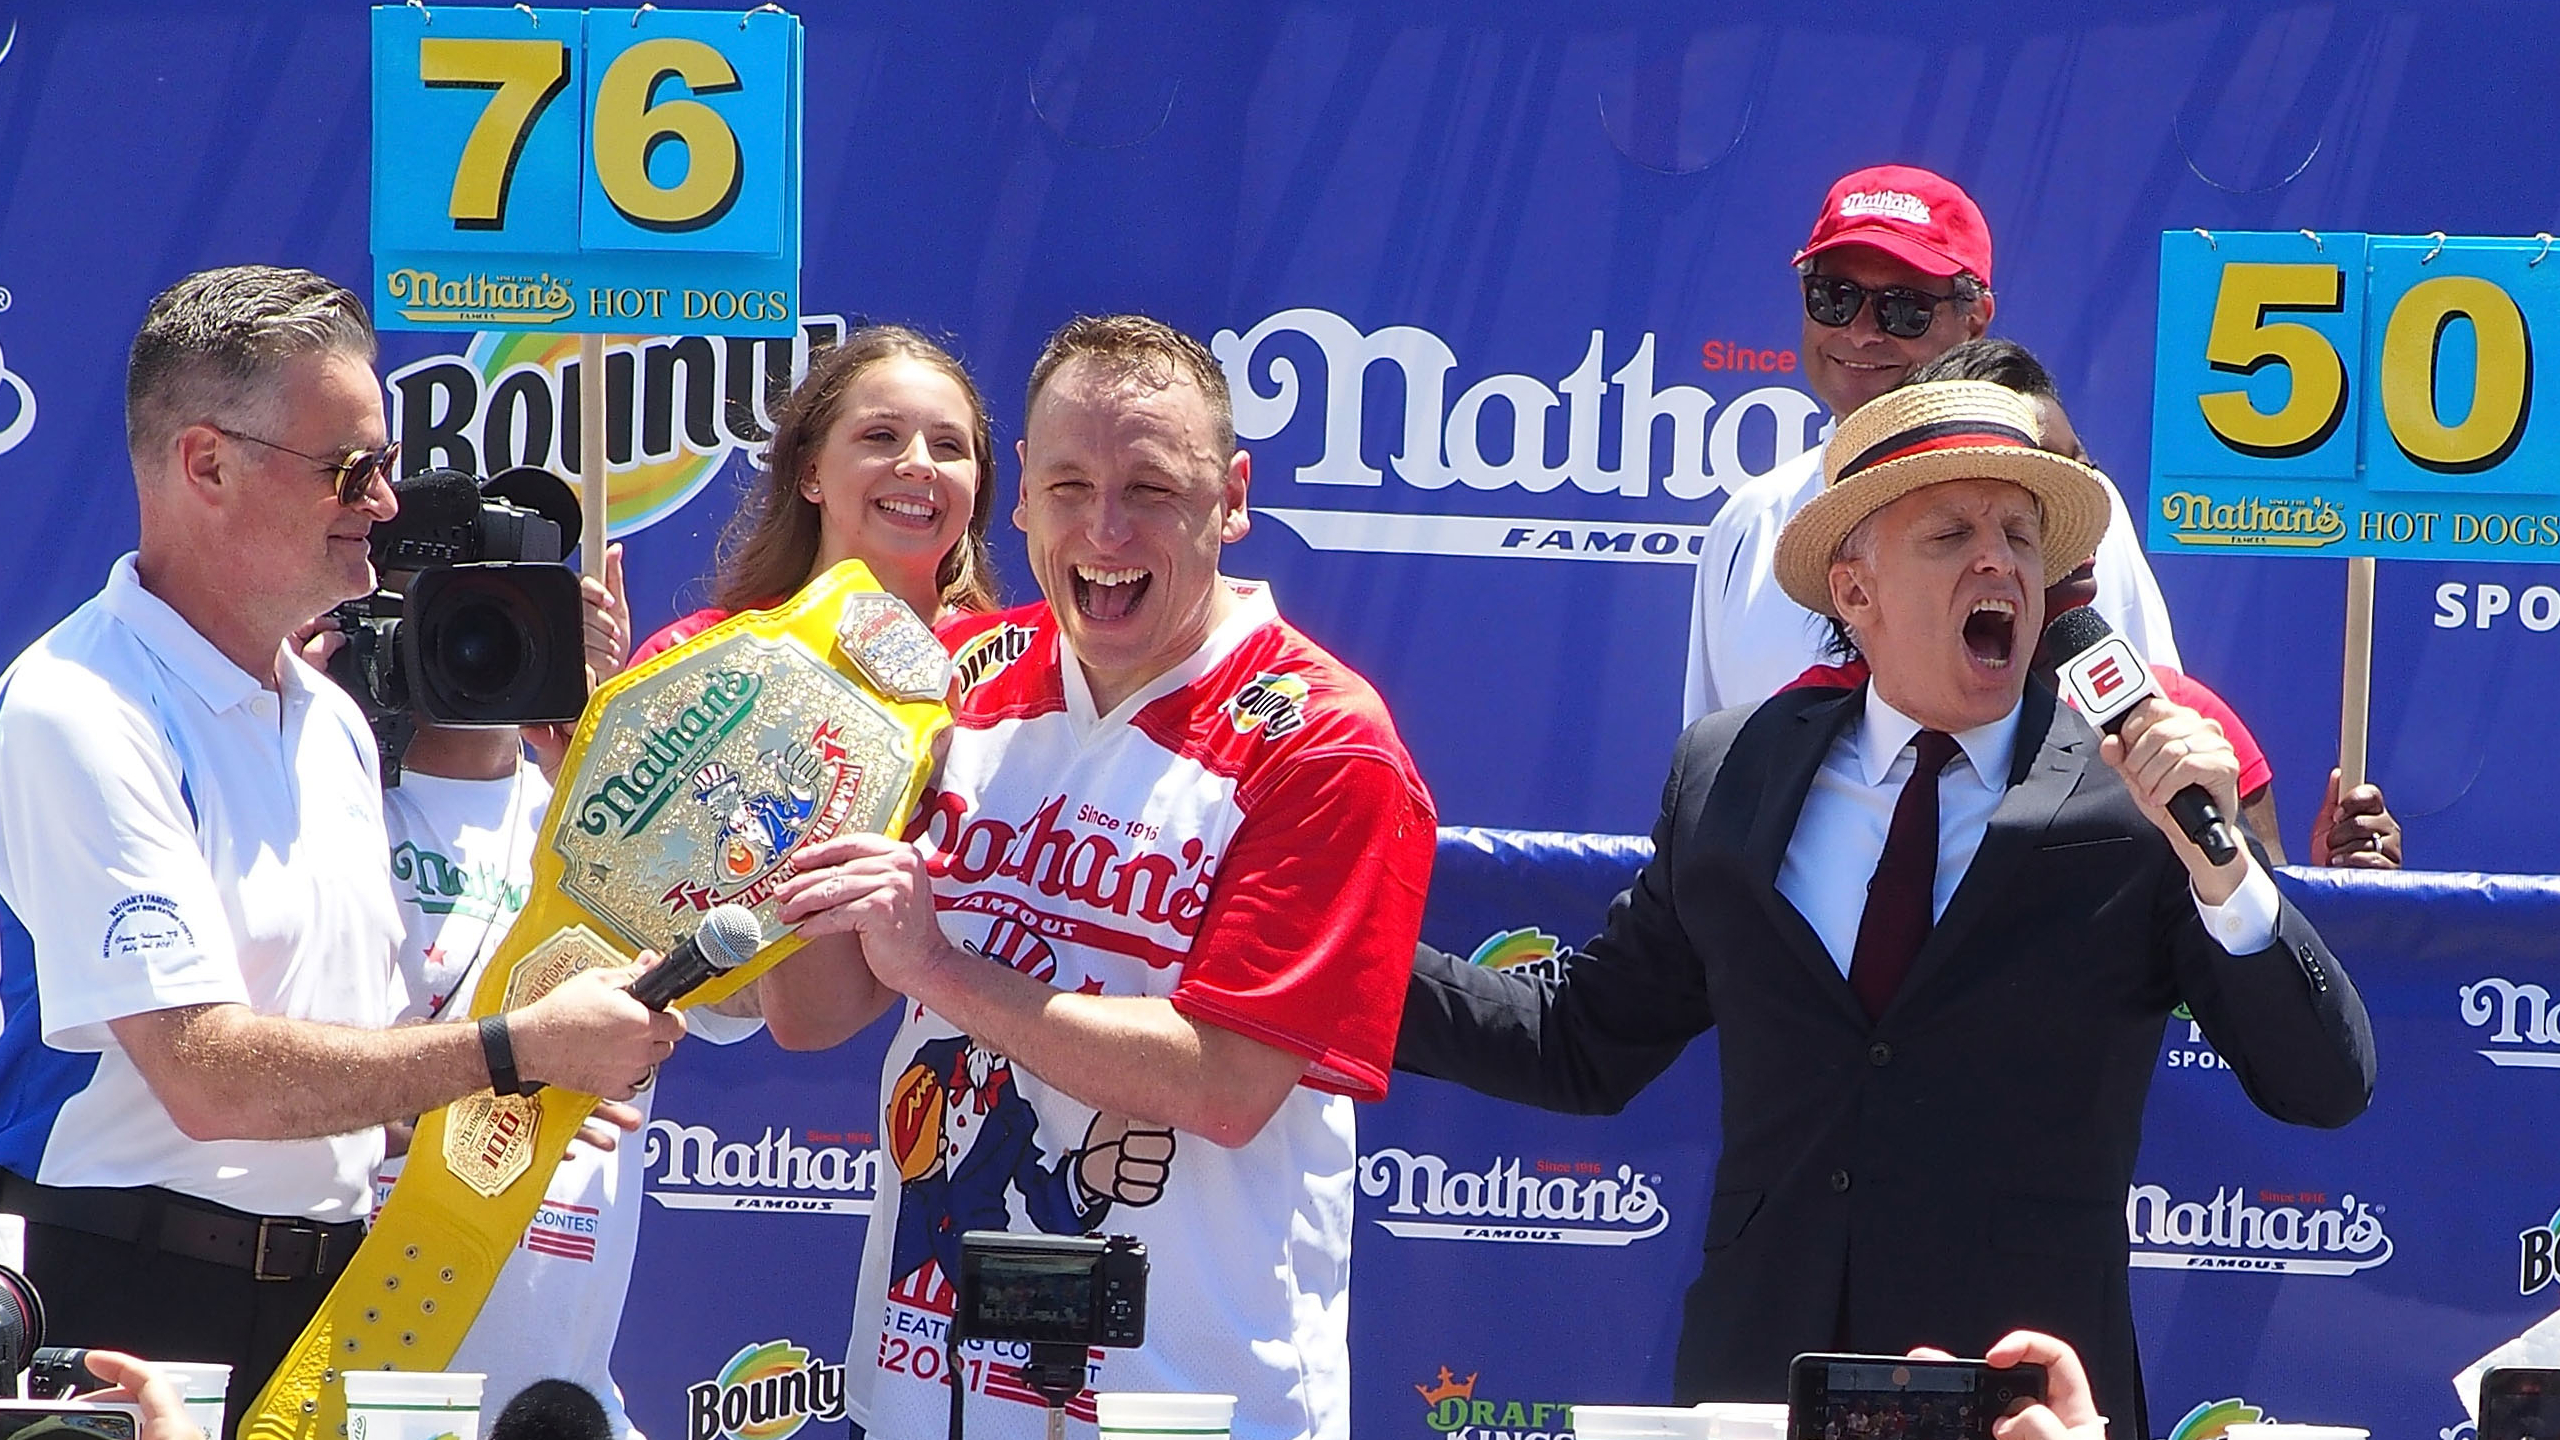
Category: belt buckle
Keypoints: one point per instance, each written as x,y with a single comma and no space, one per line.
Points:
268,1226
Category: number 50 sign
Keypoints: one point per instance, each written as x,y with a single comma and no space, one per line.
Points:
2356,395
586,170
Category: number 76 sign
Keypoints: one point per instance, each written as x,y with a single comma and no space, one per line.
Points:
2358,395
585,171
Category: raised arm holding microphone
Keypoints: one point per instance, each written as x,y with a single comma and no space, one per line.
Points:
1939,924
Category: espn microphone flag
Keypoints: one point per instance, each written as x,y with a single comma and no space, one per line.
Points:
2104,678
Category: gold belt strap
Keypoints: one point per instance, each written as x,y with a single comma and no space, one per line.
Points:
691,780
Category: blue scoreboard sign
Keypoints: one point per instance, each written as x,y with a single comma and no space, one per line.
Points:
586,170
2342,394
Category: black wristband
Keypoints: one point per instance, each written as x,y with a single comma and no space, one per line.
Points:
498,1048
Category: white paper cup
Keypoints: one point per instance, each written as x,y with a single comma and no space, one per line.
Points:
413,1404
2273,1430
1141,1413
1745,1420
201,1384
1643,1422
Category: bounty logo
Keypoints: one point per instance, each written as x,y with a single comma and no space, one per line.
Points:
676,408
1452,1409
2537,1264
1498,436
765,1392
17,404
1533,953
1542,1202
2271,1231
778,1173
2524,1019
2214,1418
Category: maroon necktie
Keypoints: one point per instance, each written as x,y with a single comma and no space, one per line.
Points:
1896,919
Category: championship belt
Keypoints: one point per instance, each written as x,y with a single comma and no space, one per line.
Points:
691,780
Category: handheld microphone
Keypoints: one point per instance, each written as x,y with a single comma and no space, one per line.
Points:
2104,678
728,935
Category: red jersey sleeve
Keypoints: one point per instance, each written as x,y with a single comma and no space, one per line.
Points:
2255,773
683,629
1308,939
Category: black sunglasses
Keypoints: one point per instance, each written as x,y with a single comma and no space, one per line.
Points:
1901,311
354,474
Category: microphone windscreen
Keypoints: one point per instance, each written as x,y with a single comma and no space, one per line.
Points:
2074,631
552,1410
729,935
438,523
432,499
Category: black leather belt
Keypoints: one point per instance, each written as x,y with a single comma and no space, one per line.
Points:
268,1247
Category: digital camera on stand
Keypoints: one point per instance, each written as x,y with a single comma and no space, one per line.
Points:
477,623
1057,1295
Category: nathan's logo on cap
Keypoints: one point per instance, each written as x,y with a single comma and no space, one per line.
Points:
1885,205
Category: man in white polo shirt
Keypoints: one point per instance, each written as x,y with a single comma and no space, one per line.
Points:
196,950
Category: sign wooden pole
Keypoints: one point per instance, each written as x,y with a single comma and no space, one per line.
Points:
2355,710
592,497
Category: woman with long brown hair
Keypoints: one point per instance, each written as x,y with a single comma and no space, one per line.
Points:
882,454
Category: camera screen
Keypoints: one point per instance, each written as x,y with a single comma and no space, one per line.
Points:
1027,1297
39,1423
2520,1405
1884,1401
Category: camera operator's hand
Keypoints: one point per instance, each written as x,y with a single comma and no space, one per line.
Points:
608,644
2070,1408
590,1036
164,1410
1124,1161
316,640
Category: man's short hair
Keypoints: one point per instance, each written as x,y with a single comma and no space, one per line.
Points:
2005,363
210,343
1142,347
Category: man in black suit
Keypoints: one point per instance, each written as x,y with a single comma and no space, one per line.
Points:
1934,1077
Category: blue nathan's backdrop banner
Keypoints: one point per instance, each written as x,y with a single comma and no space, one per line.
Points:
1503,294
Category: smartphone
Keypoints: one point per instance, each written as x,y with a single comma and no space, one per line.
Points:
68,1420
1892,1397
2520,1404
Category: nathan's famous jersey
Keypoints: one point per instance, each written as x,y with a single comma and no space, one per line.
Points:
1245,837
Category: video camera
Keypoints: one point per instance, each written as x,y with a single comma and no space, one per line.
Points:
1055,1295
487,629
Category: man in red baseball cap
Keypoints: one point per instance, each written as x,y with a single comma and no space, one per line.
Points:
1896,273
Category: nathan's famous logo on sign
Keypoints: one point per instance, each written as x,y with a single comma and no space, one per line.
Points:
2187,1048
1533,953
628,800
2283,524
2524,1027
765,1392
17,405
2213,1419
820,1172
1604,427
2281,1231
676,408
511,300
1537,1202
1451,1407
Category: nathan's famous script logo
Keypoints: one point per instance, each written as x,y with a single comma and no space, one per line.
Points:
18,411
986,657
514,300
2286,1232
671,756
1533,953
441,885
2252,523
2212,1419
812,1172
1540,1202
676,408
1275,702
767,1391
2524,1016
1080,860
2189,1050
1451,1407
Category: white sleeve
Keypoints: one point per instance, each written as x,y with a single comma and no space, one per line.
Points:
1706,606
703,1023
2127,594
102,863
2246,923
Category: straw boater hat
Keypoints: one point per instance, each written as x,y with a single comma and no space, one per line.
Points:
1921,435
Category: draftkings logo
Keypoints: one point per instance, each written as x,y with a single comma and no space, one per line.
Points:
767,1391
2290,1232
17,402
2214,1418
816,1172
2187,1048
1534,1202
1452,1408
2523,1028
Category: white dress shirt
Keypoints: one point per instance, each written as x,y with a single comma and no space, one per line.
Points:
1747,640
1840,833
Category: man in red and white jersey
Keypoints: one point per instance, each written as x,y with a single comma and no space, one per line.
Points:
1154,930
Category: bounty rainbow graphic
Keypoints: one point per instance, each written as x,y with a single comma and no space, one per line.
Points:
1525,951
2213,1419
676,408
767,1391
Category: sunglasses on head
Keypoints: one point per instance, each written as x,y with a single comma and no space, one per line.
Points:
1901,311
353,473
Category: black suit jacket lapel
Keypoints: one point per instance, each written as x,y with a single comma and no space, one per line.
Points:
1788,761
2045,767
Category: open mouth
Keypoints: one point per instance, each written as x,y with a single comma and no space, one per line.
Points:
1991,633
908,511
1109,594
